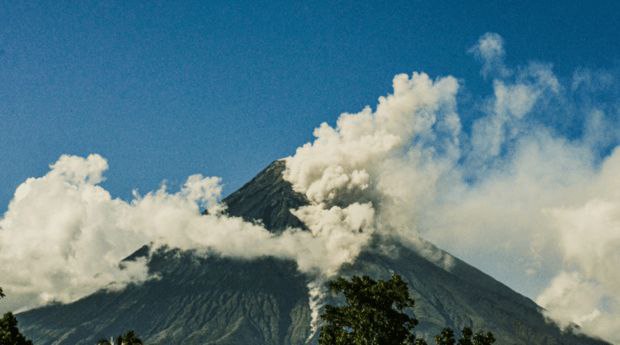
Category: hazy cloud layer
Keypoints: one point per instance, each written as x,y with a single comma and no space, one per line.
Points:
534,206
528,192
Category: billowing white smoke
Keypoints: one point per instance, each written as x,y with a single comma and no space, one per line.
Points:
409,140
586,290
342,160
502,195
64,236
370,155
316,294
56,242
509,193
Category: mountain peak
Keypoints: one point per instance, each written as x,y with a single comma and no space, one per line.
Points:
228,301
267,198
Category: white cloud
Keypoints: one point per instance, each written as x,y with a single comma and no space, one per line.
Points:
55,238
63,236
341,158
490,50
585,291
490,195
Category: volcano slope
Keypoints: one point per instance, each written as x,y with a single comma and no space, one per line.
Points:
225,301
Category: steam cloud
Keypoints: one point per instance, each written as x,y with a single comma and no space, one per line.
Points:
512,192
64,236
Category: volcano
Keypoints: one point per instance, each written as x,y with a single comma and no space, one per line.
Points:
224,301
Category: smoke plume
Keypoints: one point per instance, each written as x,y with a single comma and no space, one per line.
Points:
515,193
64,236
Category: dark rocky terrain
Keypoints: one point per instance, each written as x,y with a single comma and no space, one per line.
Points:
226,301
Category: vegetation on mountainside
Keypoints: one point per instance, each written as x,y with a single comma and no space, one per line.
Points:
127,338
446,337
376,313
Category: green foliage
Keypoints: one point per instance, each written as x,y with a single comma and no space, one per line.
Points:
446,337
375,313
9,333
479,338
127,338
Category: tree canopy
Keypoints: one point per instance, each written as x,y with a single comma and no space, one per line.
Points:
379,313
9,333
374,314
446,337
127,338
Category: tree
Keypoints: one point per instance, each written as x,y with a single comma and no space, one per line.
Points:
9,333
375,313
446,337
128,338
479,338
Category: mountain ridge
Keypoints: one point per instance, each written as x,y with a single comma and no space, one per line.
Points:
215,300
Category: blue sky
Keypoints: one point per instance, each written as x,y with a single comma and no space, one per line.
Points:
164,90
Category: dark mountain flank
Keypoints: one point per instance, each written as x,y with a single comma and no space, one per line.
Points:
267,198
225,301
